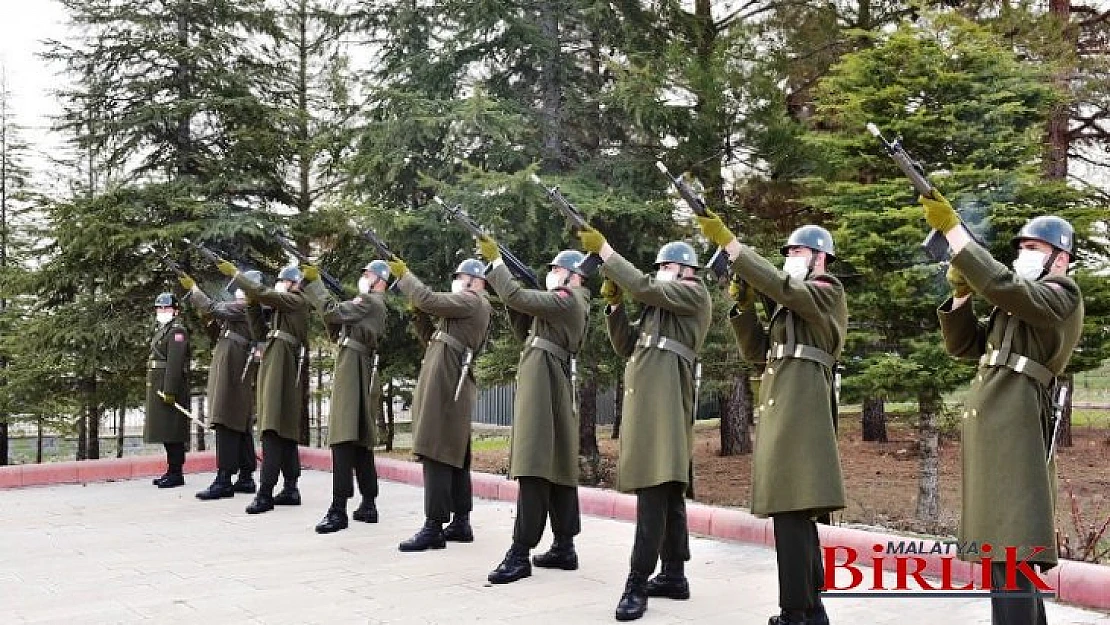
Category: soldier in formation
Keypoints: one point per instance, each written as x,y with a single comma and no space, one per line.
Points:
167,390
544,456
358,325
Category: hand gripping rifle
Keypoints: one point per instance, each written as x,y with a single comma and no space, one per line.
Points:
718,263
514,264
329,280
936,246
378,244
577,222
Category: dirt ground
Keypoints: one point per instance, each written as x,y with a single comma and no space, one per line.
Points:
880,478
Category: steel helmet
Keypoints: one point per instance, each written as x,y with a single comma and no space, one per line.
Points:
471,267
679,252
253,275
379,268
165,300
815,238
291,273
570,260
1049,229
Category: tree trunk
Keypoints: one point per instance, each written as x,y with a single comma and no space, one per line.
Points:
4,443
82,440
201,446
928,483
121,425
618,407
587,431
551,84
737,417
38,440
390,417
1063,433
1058,140
94,427
874,420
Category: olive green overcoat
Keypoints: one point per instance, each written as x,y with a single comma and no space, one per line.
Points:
278,388
355,395
440,424
230,377
657,422
168,372
545,419
1008,488
795,463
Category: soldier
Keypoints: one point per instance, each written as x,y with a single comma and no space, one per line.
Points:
444,399
660,398
230,388
796,474
278,392
355,397
168,372
1009,419
544,456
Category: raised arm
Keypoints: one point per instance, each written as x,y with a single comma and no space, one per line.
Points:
622,333
678,296
811,299
750,334
334,311
283,302
1037,302
964,336
449,305
224,311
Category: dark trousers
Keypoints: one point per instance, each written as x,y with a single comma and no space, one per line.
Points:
1015,610
798,550
660,527
234,451
536,499
175,457
446,489
348,458
278,455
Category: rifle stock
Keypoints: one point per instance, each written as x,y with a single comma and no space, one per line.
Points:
521,271
329,280
591,262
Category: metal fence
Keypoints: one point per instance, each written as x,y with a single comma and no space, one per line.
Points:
495,405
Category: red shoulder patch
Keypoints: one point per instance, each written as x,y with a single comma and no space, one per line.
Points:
562,293
179,337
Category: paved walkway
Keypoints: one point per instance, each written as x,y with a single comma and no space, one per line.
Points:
126,552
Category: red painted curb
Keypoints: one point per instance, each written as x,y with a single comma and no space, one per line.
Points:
1078,583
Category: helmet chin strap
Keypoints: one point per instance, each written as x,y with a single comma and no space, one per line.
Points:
1051,260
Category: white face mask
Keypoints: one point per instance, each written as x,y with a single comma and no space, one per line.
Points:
553,280
1030,264
458,285
664,275
796,267
163,317
240,295
365,284
281,287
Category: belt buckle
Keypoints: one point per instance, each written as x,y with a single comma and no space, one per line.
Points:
798,351
1020,365
662,342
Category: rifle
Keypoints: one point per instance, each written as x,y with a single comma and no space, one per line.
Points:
515,266
379,246
578,222
205,251
936,246
174,266
718,263
329,280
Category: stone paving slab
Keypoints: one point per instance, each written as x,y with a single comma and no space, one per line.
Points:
126,552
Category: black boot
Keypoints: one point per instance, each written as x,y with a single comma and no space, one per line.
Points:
634,601
245,483
817,615
560,556
263,502
515,566
429,537
670,582
335,519
459,530
172,480
158,480
220,488
366,512
788,617
289,495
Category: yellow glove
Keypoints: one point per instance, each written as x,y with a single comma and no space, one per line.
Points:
397,267
960,286
939,213
169,398
487,247
611,292
187,281
742,292
227,268
714,229
592,240
311,272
